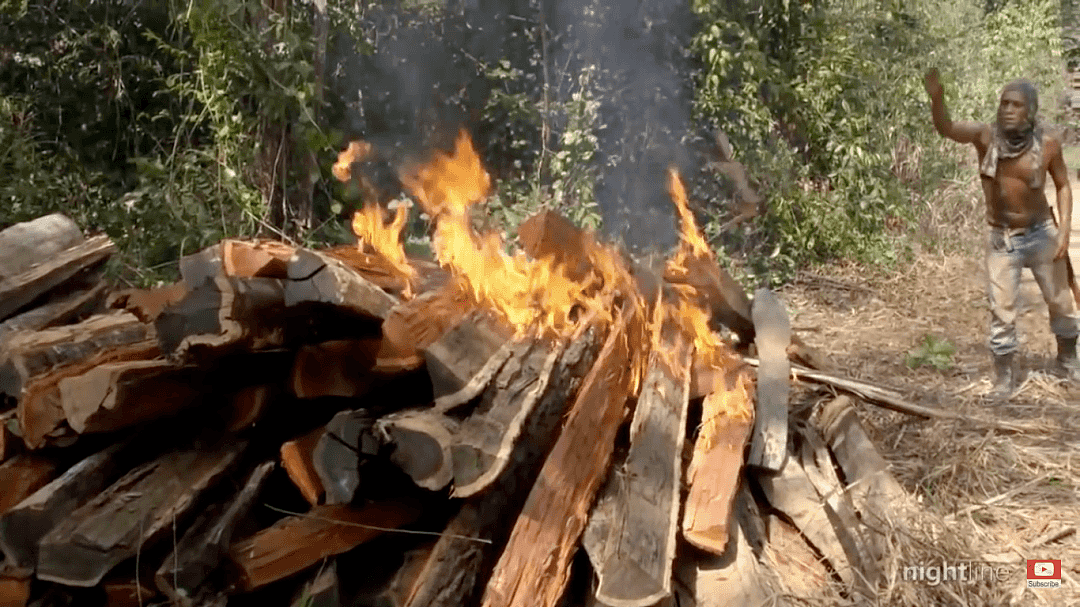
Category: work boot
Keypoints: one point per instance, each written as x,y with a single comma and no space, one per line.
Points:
1067,364
1004,381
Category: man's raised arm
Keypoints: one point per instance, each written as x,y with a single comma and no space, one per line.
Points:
962,132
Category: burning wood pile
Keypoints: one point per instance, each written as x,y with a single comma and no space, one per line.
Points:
353,427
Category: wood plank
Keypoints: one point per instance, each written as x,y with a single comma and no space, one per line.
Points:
18,290
297,460
769,444
717,461
458,568
791,492
798,568
206,543
63,308
316,277
297,542
872,486
133,512
30,243
817,463
732,578
460,353
117,395
556,511
24,525
342,368
488,439
631,533
21,476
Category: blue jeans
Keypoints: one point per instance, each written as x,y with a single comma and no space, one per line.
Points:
1009,251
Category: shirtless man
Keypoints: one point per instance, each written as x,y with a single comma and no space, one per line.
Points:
1015,155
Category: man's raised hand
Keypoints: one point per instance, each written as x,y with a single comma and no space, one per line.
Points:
932,81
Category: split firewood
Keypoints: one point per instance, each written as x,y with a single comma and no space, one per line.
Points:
24,525
47,357
768,447
297,542
21,476
381,273
30,354
30,243
716,464
206,543
335,368
791,492
550,235
135,511
413,325
147,304
346,440
224,314
316,277
14,586
117,395
16,291
631,533
467,550
459,354
255,258
68,308
717,293
297,458
321,590
556,510
817,463
486,441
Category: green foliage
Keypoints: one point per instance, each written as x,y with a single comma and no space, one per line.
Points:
932,352
833,121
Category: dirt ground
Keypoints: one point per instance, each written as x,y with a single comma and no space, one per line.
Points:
999,493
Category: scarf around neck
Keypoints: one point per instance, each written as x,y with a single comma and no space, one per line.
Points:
1005,145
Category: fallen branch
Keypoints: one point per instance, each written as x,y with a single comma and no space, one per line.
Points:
893,400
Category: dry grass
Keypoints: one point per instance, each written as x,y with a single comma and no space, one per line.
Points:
984,496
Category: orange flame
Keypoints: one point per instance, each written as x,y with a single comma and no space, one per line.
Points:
710,350
356,152
534,296
369,225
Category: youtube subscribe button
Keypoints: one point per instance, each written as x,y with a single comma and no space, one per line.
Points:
1044,573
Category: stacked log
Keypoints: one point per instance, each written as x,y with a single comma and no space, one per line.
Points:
281,417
